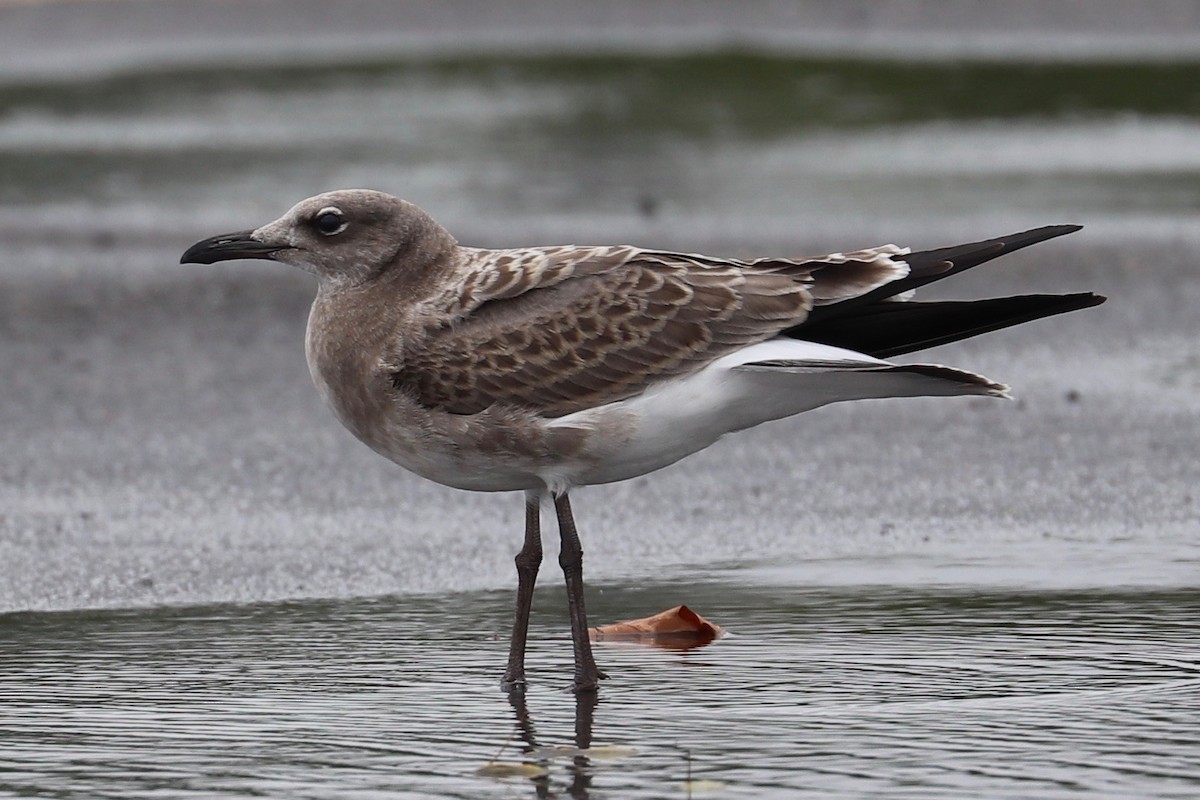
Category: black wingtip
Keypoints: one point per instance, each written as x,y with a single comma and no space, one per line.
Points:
888,329
927,266
1016,241
1058,230
969,255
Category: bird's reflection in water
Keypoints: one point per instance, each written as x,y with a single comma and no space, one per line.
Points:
580,769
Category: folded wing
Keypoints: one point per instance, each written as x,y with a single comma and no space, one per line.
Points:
562,329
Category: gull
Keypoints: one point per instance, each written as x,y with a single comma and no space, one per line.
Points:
539,369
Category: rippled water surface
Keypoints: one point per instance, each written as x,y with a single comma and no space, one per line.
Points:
883,692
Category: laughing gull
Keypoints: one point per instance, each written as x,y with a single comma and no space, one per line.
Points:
539,369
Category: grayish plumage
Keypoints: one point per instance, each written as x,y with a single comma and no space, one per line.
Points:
539,369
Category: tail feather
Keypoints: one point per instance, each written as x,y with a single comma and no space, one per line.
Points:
916,378
785,386
888,329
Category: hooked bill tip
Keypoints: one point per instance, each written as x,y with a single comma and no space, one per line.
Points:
227,247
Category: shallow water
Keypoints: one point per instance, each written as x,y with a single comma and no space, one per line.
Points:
884,691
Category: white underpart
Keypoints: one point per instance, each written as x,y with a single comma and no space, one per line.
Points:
684,416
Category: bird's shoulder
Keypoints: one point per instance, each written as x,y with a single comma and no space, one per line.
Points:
478,276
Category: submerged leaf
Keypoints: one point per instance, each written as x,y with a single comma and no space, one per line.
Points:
702,786
675,628
506,769
602,752
609,752
554,751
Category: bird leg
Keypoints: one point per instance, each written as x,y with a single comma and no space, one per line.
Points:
528,561
570,558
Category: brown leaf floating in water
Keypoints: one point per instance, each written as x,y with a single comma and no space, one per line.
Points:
677,628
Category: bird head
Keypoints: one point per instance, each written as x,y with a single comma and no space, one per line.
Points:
344,237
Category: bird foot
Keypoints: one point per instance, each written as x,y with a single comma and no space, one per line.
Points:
585,684
514,684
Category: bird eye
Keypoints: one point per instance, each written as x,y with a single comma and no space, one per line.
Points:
330,221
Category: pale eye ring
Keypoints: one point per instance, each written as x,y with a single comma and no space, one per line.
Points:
330,221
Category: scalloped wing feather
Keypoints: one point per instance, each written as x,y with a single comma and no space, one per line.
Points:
561,329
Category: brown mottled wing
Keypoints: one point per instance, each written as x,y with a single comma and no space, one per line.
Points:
586,326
